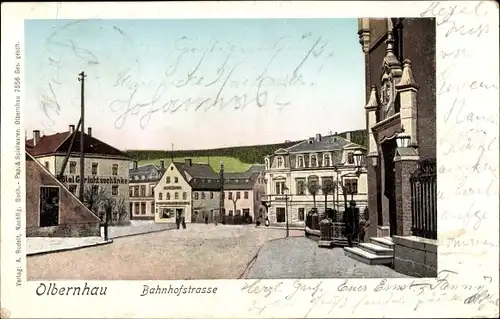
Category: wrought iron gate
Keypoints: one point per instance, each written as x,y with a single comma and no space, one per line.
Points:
424,200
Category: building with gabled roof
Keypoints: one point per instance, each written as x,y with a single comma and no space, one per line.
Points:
106,168
143,179
318,158
51,209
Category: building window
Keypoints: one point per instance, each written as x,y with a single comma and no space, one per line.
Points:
350,158
72,167
95,168
211,195
238,195
202,195
301,186
230,213
47,166
246,212
143,190
326,160
152,207
160,195
280,214
280,161
176,179
95,189
238,212
300,161
176,195
130,191
280,188
114,190
136,191
167,196
72,189
136,209
245,195
143,208
168,180
230,195
167,213
49,206
184,195
351,186
114,169
152,191
301,214
196,195
314,161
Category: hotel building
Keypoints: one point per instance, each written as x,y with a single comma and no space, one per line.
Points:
106,169
320,158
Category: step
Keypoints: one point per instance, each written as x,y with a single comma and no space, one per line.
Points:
376,249
383,241
366,257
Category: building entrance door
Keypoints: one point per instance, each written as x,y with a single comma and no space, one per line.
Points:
389,150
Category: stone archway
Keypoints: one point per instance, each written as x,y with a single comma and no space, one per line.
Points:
389,186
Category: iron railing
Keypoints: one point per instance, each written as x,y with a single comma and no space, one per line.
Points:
424,200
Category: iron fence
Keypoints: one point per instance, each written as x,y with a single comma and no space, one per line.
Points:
424,200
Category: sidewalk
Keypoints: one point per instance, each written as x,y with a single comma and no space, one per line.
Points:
42,245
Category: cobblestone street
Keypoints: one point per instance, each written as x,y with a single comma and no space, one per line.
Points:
198,252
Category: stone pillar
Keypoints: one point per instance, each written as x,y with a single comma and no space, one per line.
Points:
405,166
408,102
372,200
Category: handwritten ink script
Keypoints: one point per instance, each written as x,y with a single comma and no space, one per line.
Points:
467,140
319,298
216,75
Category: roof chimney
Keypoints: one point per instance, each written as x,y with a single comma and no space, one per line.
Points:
89,131
36,137
348,136
135,164
188,162
162,164
318,137
71,129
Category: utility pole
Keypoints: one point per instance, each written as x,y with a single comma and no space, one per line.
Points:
172,153
221,196
81,78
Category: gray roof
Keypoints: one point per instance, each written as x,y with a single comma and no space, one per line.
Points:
327,143
256,168
204,177
240,181
145,170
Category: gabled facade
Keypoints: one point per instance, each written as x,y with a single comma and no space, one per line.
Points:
318,159
143,179
51,209
106,169
172,195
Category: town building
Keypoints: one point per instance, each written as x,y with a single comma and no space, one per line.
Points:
188,189
319,159
51,209
143,180
244,192
106,169
400,78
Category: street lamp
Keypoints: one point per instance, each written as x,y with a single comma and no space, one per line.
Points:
403,139
286,191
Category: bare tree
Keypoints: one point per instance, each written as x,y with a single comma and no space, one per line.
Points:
313,188
103,202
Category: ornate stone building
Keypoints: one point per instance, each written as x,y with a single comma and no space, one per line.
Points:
400,77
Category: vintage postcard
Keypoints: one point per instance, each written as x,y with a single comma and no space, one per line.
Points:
250,159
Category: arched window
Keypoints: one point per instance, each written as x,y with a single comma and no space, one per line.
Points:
280,161
314,161
326,160
300,161
350,158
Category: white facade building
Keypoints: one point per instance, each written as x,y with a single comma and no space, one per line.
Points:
289,171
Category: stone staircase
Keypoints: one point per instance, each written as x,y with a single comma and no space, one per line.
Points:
379,251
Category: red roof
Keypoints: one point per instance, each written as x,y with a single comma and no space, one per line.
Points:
60,143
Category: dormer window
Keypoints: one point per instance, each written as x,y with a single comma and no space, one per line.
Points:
326,160
350,158
280,162
300,161
143,177
314,161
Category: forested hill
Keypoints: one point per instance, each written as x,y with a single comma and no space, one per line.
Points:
246,154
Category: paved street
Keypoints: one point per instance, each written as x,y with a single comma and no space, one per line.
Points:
198,252
302,258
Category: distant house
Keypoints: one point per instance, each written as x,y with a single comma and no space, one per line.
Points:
317,159
143,179
106,169
243,193
51,209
